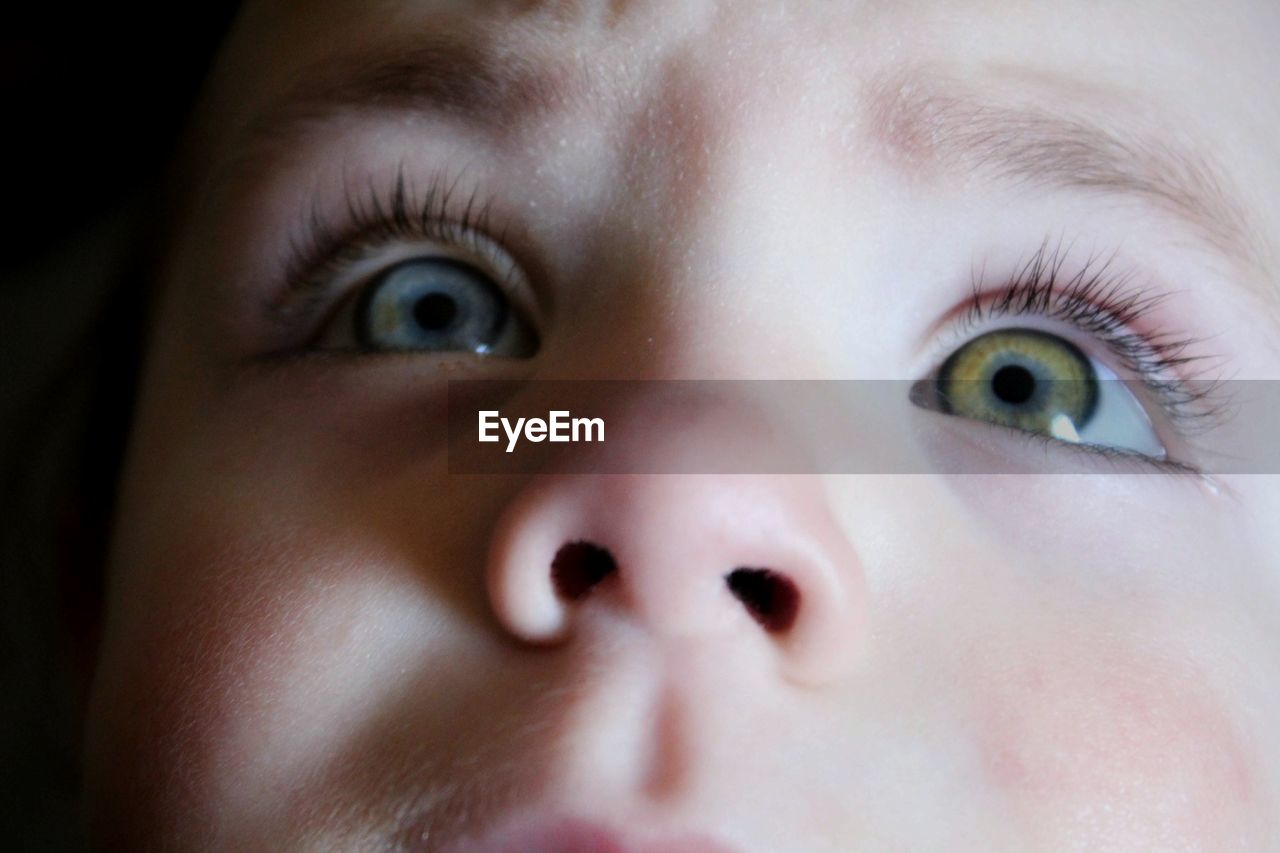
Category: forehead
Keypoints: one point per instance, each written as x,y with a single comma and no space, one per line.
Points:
712,75
1157,36
715,57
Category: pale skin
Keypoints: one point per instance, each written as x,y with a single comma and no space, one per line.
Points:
315,638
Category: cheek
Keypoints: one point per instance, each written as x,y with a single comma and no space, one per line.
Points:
1115,749
198,629
1121,692
240,661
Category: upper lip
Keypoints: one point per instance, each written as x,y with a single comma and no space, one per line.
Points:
572,835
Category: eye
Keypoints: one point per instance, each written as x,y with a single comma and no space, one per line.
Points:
1041,383
433,304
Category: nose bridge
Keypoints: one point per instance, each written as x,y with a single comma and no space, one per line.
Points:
737,217
689,556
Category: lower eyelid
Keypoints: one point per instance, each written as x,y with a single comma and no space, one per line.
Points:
1053,456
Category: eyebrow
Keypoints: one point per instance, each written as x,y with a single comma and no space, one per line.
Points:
926,123
464,73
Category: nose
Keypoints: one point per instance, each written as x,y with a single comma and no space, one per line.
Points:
759,558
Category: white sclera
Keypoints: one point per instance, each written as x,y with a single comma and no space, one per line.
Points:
1118,421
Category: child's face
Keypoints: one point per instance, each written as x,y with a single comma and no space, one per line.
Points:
315,637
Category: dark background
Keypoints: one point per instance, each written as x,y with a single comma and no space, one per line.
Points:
95,96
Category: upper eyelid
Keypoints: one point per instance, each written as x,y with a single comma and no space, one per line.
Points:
1098,296
367,215
1099,300
451,211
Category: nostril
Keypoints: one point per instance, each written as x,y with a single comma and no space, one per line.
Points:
579,566
772,598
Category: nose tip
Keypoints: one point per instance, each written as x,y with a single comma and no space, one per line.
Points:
684,556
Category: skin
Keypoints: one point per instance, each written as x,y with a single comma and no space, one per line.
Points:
316,638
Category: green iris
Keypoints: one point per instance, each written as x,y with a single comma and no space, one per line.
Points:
1021,378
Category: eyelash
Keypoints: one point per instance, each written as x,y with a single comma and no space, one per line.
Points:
1102,303
374,220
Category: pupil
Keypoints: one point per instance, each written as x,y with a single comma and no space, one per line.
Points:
435,311
1013,384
